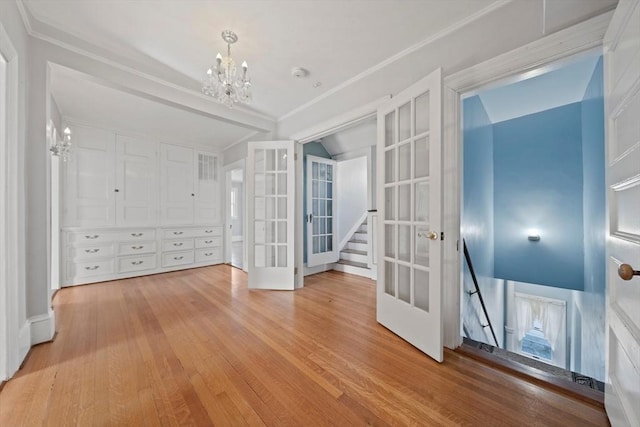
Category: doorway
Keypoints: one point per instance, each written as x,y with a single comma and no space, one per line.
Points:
236,217
533,219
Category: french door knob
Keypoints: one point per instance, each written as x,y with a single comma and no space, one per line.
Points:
432,235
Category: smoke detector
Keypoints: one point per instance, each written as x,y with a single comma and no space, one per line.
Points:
299,72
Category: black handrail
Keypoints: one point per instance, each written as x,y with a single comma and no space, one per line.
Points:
477,291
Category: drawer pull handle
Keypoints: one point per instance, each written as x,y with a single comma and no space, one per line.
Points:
177,233
178,244
93,236
91,251
208,231
178,258
208,241
137,234
135,248
208,254
91,268
136,262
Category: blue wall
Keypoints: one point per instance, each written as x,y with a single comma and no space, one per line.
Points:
538,184
594,183
309,149
477,212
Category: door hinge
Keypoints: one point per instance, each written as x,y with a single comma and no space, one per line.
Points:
458,245
442,235
295,271
295,156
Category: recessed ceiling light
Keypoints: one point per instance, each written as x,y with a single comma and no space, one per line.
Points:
317,84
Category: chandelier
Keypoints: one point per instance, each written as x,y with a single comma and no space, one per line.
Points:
62,148
223,81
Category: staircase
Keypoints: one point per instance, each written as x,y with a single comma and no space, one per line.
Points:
354,257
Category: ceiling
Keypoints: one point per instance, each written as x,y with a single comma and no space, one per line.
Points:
555,86
338,41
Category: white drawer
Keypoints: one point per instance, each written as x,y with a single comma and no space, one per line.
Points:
76,270
98,250
135,248
177,258
137,263
208,231
91,237
208,242
209,255
177,233
177,245
136,235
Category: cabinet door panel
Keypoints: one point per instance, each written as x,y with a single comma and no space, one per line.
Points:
136,172
177,185
90,179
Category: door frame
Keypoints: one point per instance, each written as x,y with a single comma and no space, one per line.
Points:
584,37
228,240
10,224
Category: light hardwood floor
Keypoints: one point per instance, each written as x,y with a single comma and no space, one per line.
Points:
197,348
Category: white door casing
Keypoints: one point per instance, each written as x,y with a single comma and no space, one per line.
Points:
409,178
136,182
271,196
622,110
206,188
322,239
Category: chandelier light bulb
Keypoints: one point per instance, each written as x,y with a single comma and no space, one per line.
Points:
67,131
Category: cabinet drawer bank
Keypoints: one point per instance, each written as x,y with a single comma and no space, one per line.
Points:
93,255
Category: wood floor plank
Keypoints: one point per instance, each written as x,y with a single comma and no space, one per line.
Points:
196,347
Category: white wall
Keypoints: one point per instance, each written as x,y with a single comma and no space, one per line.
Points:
351,194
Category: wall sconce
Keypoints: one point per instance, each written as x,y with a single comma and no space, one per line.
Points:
533,235
62,148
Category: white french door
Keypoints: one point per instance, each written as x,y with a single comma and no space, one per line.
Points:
270,211
409,190
321,211
622,109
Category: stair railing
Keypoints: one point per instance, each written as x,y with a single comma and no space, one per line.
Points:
467,257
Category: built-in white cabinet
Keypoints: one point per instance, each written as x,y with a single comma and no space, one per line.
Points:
120,191
190,186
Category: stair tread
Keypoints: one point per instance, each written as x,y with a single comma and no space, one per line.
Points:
357,241
354,251
353,263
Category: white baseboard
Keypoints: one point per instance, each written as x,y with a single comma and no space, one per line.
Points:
317,269
24,342
43,327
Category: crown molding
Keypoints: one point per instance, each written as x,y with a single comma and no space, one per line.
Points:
408,51
26,16
241,140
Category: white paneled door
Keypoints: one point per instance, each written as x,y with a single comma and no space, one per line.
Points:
270,211
409,285
321,208
622,110
177,191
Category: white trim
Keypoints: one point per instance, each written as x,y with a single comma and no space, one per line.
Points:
353,229
42,327
228,237
10,226
308,271
398,56
562,44
245,138
340,122
24,341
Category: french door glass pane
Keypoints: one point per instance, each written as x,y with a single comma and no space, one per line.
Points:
404,162
404,243
404,283
389,203
389,128
421,289
271,160
404,122
421,158
422,201
282,160
390,240
389,278
422,113
404,202
421,254
282,256
390,166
